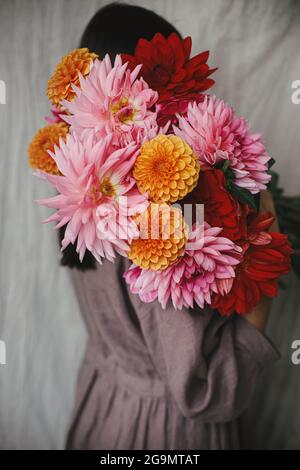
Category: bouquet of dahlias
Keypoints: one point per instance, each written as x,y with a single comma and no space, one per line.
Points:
148,165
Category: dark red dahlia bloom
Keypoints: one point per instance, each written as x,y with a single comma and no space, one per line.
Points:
167,67
220,208
168,110
266,256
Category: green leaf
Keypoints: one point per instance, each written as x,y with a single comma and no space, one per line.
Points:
271,163
228,173
281,284
273,185
242,195
225,166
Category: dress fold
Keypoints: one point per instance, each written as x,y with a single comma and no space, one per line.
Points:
155,379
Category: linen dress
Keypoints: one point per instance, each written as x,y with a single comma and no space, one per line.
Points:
159,379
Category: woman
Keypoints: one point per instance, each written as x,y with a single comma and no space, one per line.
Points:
153,378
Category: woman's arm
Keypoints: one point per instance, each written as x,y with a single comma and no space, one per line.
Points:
209,363
259,316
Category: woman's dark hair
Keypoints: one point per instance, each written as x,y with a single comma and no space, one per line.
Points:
115,29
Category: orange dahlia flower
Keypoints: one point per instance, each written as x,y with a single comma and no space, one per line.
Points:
44,140
67,73
166,169
162,237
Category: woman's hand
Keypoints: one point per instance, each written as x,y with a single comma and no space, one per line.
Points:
259,316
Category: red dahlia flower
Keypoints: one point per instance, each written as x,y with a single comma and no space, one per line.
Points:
266,256
220,208
168,110
167,67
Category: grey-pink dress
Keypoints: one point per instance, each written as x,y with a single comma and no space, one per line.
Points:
159,379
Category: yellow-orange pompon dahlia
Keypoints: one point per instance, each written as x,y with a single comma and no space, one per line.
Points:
67,73
162,237
166,169
44,140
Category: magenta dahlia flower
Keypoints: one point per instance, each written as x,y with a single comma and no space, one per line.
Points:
207,267
112,100
215,133
97,195
54,116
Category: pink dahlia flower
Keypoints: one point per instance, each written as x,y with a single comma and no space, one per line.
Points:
216,133
112,100
207,267
140,135
97,195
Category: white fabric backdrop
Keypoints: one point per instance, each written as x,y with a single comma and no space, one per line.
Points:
256,45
